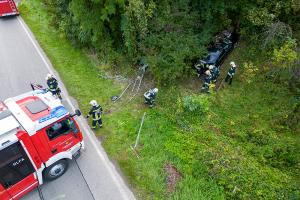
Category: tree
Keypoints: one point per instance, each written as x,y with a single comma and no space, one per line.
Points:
286,55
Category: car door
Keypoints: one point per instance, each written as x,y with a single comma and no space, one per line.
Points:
62,135
17,173
221,57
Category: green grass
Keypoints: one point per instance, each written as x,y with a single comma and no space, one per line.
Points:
236,150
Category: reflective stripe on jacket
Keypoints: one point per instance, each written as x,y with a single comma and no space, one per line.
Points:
96,112
231,71
207,80
149,95
52,84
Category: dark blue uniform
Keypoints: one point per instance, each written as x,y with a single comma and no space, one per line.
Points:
207,81
230,75
215,72
96,113
150,97
200,68
53,86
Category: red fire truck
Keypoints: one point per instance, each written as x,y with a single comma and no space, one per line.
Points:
8,8
38,136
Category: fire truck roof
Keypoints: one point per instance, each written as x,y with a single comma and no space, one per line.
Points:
36,109
8,123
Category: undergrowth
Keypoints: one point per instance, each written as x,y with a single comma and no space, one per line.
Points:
228,145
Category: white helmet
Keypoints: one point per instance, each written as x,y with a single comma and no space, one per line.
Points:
94,103
232,64
207,72
49,76
155,90
211,67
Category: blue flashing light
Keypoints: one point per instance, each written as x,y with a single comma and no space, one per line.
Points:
42,91
55,113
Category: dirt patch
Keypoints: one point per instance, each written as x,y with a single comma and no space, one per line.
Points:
173,176
109,111
215,129
101,138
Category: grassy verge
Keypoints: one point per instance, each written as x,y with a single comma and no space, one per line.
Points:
226,145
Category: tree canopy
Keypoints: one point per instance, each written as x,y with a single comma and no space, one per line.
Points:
171,34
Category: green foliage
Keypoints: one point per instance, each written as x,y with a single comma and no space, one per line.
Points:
171,34
286,55
134,25
173,60
197,104
275,35
243,149
191,188
260,17
182,146
249,72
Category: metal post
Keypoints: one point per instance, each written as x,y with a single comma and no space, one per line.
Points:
138,136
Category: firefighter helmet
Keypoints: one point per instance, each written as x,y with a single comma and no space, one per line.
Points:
207,72
232,64
49,76
155,90
93,103
211,67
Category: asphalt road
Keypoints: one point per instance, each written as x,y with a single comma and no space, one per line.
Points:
93,176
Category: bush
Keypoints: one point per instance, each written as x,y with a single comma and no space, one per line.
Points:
197,104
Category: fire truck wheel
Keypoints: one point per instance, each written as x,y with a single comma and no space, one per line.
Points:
56,170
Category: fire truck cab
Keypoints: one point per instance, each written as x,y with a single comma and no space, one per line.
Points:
37,138
8,8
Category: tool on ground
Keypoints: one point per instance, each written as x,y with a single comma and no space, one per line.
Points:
138,80
136,84
116,98
138,136
35,86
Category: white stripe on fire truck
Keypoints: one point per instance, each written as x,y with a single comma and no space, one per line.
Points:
26,189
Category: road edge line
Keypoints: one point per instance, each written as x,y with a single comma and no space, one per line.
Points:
103,156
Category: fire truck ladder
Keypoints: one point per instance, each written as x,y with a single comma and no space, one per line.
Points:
138,80
12,5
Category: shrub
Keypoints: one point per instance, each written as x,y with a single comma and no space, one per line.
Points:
197,104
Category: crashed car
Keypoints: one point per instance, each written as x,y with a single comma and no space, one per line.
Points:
217,52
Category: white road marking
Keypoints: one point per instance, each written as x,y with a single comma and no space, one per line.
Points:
108,165
59,197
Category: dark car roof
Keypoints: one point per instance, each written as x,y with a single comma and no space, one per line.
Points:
213,56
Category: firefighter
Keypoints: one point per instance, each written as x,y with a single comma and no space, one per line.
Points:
230,73
150,97
96,112
199,68
207,81
215,72
53,85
